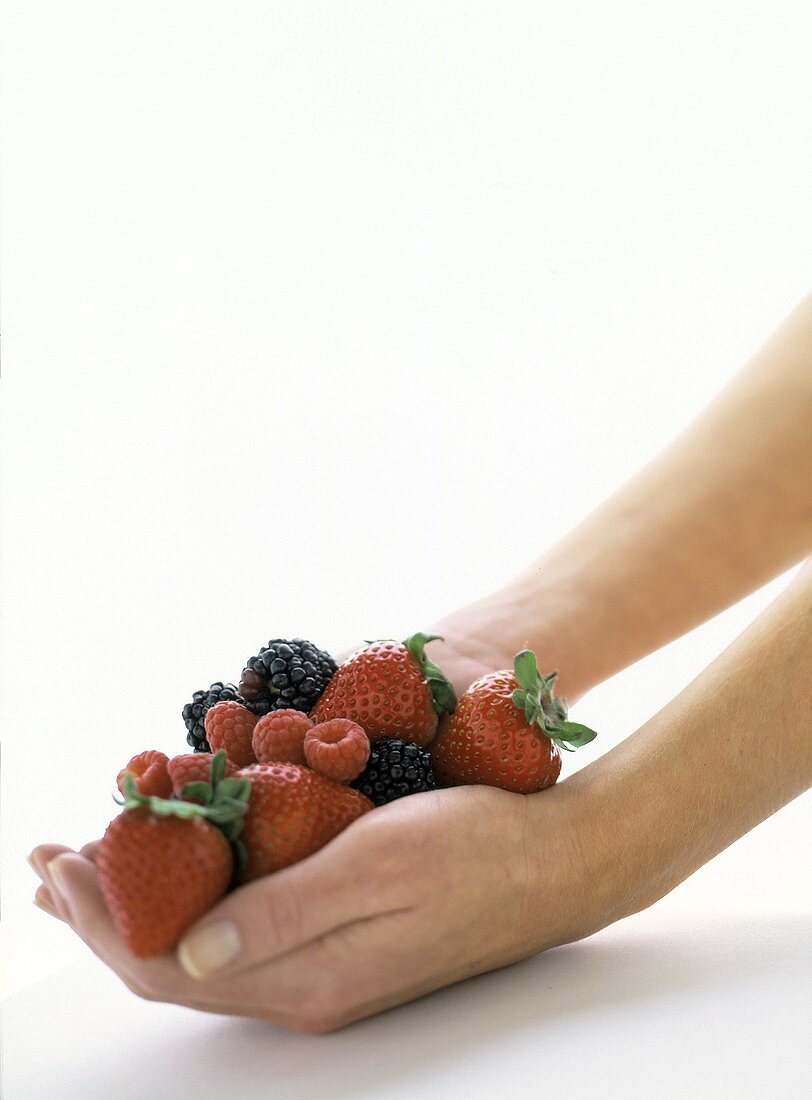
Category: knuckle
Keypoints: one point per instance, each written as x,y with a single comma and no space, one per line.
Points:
283,915
320,1025
138,985
317,1006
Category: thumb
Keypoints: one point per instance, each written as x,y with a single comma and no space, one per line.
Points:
283,911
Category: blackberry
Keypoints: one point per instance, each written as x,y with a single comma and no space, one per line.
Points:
288,673
194,713
395,768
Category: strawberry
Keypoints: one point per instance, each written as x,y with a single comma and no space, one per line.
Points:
230,726
191,767
163,862
292,812
507,732
159,874
148,769
391,689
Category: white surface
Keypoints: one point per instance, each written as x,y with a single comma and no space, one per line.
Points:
325,318
713,1007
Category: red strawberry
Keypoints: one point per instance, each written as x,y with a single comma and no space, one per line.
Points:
192,767
292,812
230,726
148,769
159,874
391,689
507,732
279,737
163,862
338,749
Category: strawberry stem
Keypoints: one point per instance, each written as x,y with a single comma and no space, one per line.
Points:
542,708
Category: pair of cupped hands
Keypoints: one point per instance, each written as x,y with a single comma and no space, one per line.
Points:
411,897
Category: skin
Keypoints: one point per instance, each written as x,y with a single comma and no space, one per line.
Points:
426,891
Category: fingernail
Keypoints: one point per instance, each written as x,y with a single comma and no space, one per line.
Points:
55,875
45,908
209,948
35,862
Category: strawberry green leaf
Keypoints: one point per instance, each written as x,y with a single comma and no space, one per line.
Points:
240,856
526,668
548,712
442,692
234,788
218,767
576,734
197,790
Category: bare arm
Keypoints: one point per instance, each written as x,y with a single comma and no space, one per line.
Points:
730,750
720,511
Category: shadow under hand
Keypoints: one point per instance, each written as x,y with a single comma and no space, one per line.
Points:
645,978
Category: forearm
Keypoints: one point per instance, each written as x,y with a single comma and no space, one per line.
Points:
724,508
729,751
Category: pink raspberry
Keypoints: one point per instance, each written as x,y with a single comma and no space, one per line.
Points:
149,771
192,767
338,749
279,737
230,726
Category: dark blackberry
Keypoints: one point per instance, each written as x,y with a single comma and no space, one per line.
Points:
288,672
194,713
395,768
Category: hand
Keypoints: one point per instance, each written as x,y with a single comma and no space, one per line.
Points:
411,897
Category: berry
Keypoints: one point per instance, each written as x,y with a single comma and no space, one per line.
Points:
292,812
396,768
507,731
162,863
230,726
338,749
148,769
159,874
279,737
389,687
287,674
192,767
194,713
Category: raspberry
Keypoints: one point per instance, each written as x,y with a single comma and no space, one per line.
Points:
194,713
229,726
192,767
338,749
279,737
150,774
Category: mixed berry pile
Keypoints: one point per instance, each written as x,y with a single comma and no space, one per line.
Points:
284,761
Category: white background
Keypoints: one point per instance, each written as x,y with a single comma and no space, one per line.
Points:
325,318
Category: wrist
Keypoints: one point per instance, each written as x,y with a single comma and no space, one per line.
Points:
528,613
598,878
571,895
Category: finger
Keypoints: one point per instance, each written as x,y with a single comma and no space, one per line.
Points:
160,978
349,974
75,882
90,850
338,885
44,900
38,859
72,883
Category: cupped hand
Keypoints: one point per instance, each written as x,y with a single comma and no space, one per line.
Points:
411,897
